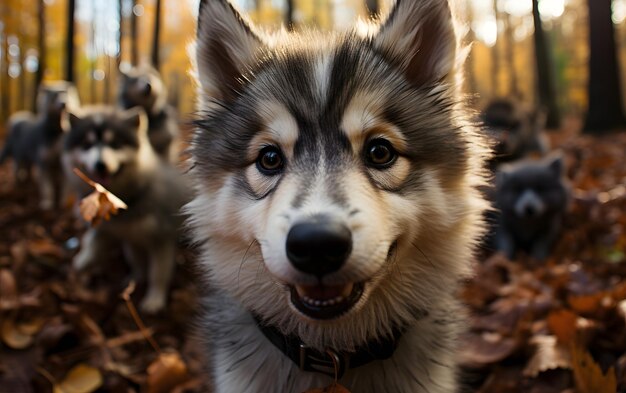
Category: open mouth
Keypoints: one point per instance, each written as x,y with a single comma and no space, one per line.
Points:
326,302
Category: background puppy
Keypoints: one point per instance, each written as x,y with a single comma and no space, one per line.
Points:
35,140
337,204
111,147
532,197
142,86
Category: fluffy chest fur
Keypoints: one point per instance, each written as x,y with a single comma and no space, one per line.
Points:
337,201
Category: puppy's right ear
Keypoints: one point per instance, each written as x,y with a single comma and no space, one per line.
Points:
226,47
74,120
135,118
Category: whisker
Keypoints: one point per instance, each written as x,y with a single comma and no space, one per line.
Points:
243,260
424,255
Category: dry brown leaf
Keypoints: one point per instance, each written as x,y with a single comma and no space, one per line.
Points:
100,204
8,289
485,349
80,379
562,323
44,248
588,374
549,355
14,337
166,372
586,304
332,388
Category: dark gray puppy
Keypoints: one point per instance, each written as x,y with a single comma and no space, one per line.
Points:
142,86
532,197
35,140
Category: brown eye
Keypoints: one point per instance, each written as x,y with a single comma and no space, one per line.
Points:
380,154
270,161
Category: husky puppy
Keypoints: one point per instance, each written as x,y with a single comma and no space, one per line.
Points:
35,140
337,204
532,199
516,130
112,148
142,86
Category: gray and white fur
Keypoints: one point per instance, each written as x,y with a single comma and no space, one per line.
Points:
34,140
143,86
532,198
112,147
361,136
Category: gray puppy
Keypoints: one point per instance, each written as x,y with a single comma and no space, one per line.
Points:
35,140
532,197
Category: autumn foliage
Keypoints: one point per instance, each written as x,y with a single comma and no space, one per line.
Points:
534,327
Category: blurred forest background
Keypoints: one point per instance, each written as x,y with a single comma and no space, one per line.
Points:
87,41
556,326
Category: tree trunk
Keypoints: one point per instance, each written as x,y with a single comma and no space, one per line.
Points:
510,56
69,42
545,72
289,15
472,86
120,37
156,35
134,50
373,8
605,100
5,90
495,55
41,43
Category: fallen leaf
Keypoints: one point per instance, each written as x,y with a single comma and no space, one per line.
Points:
588,374
166,372
100,204
8,289
485,349
13,337
80,379
332,388
562,323
549,355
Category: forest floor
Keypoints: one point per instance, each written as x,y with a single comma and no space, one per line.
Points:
535,327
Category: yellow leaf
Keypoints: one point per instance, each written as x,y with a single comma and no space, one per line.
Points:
13,337
166,372
588,374
80,379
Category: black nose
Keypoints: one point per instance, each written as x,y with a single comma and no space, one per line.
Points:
320,246
530,211
101,168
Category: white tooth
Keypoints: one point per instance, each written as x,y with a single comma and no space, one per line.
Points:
338,299
318,303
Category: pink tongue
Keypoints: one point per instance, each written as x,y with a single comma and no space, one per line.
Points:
324,292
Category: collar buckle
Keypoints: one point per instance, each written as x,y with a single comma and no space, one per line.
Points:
312,360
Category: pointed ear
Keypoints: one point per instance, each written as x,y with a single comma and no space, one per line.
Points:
135,118
226,47
419,35
74,120
555,163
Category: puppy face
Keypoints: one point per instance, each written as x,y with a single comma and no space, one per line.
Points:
104,143
326,164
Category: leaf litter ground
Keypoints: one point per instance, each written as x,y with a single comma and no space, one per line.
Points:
535,327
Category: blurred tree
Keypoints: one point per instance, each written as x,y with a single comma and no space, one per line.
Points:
4,62
134,44
69,41
289,10
156,36
545,71
373,7
510,55
605,100
120,5
41,44
495,64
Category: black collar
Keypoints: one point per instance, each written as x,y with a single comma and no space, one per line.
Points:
309,359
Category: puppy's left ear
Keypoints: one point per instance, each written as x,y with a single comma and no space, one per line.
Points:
419,36
555,162
226,47
135,119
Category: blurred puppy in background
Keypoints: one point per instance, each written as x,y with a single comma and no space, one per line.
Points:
112,147
35,140
532,199
142,86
